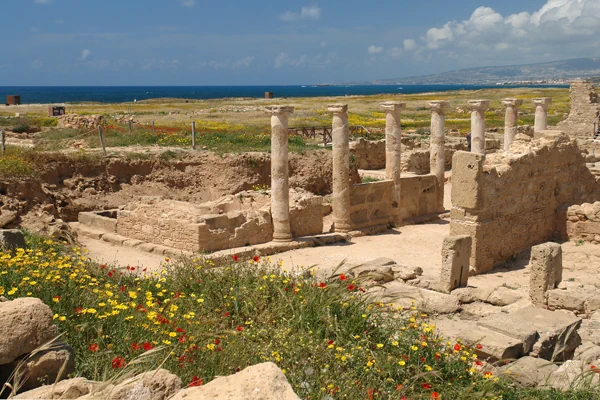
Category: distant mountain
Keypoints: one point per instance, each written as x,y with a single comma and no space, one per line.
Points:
549,72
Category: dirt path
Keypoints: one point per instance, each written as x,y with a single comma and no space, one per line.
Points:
120,256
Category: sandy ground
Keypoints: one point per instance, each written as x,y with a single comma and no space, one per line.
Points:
119,256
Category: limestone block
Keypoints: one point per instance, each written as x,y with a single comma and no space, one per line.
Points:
573,300
550,335
479,309
12,239
25,325
456,252
587,353
592,304
545,271
429,301
68,389
467,178
259,382
571,376
590,331
503,296
529,371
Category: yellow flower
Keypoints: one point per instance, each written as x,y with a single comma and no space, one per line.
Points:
379,345
394,343
172,334
414,348
402,363
132,295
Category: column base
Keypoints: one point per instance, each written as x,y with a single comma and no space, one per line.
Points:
341,227
282,238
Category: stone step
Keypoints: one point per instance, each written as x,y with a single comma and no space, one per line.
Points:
489,345
87,231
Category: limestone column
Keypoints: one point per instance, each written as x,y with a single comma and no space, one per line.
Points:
437,155
280,188
341,168
478,108
393,151
511,120
541,114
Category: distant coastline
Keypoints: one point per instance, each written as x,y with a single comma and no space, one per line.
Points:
125,94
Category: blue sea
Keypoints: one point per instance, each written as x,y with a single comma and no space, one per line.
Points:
120,94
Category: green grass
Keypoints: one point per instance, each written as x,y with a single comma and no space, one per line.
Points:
205,321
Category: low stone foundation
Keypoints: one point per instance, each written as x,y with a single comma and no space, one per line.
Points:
583,222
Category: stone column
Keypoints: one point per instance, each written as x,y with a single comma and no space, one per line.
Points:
511,120
437,154
478,108
393,150
541,114
280,188
341,168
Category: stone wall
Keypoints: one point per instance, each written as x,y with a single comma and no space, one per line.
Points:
583,222
231,221
368,154
418,197
585,108
371,204
510,202
79,121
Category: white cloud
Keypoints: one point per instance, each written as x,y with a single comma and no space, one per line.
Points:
243,63
374,49
308,12
37,64
409,44
187,3
318,61
42,1
284,59
85,54
395,52
560,29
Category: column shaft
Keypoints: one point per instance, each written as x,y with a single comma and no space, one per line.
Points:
478,108
511,121
280,189
437,157
393,153
341,169
541,114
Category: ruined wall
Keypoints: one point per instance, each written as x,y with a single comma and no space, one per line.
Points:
510,202
368,154
583,222
418,197
371,204
79,121
585,108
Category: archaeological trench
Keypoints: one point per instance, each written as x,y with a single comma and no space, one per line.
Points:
511,281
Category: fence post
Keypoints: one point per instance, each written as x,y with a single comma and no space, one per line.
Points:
130,127
102,140
193,135
153,131
3,142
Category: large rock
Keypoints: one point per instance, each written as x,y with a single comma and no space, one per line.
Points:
403,295
529,371
25,325
590,331
159,384
571,299
259,382
69,389
550,335
48,366
11,239
572,376
503,296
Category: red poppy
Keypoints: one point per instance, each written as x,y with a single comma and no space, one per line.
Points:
343,277
227,314
478,363
322,285
182,339
330,342
235,257
148,346
479,347
457,347
399,387
426,386
351,288
239,328
118,362
256,259
93,347
435,395
196,381
103,266
135,346
123,288
78,310
177,295
217,341
403,398
110,274
180,330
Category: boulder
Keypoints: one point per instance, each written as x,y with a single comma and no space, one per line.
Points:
587,353
159,384
472,294
25,325
572,376
573,300
403,295
479,309
503,296
48,366
590,331
11,239
529,371
259,382
68,389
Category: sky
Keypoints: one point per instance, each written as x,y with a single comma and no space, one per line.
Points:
265,42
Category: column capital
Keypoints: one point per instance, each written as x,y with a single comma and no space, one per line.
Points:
438,105
543,101
337,108
389,106
478,105
276,110
510,102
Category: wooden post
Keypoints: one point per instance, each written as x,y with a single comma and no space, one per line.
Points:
153,131
193,135
102,140
3,142
130,127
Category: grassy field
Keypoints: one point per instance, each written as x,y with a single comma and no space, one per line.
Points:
202,321
241,124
